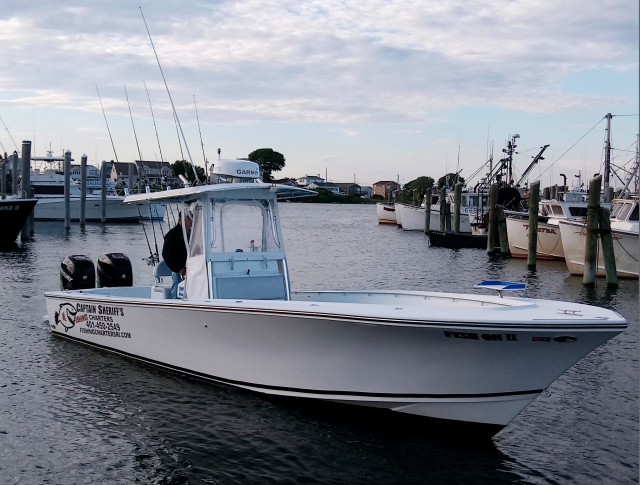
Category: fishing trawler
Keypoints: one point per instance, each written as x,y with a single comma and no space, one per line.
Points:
468,358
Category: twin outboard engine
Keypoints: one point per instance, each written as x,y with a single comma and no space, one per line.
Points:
77,273
114,269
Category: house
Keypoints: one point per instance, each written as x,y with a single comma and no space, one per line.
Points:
385,187
309,179
328,185
367,192
349,189
285,181
151,173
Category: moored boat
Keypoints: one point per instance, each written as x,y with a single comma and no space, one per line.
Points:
386,213
13,214
624,232
453,240
469,358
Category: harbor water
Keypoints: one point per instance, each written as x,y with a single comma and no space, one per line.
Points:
70,413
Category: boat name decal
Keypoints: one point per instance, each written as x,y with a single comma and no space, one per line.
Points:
97,319
575,313
542,229
9,208
491,337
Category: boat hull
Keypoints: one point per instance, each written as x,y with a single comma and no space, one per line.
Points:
386,213
457,241
625,249
549,240
413,219
433,369
52,209
14,213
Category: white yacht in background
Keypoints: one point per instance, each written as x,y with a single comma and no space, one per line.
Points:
468,358
624,231
48,186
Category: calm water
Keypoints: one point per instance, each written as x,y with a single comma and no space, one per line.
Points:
73,414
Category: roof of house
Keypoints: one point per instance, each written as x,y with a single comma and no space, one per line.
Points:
386,182
343,185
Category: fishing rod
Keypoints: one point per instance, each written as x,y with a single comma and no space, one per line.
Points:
134,133
178,135
175,114
201,143
154,120
5,127
155,240
153,258
105,120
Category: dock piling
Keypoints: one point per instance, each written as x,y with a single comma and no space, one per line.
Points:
3,174
427,212
103,192
457,201
25,185
14,174
67,189
447,216
591,244
491,227
534,203
608,255
501,222
83,189
443,197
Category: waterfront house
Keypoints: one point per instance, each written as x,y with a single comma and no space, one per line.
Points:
325,185
385,187
309,179
367,192
349,189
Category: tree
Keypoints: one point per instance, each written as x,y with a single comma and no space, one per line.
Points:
421,183
270,161
450,180
182,167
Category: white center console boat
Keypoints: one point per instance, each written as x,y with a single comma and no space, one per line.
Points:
470,358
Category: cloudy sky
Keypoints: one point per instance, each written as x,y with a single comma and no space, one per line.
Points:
377,90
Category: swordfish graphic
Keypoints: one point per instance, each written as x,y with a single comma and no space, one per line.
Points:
66,316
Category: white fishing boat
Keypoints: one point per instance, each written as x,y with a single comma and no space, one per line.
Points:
569,205
469,358
413,217
48,185
624,231
386,213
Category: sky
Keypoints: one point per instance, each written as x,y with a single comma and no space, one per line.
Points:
375,90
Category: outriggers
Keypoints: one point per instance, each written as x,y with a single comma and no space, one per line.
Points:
468,358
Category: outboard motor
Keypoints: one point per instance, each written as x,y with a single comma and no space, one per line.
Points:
77,273
114,269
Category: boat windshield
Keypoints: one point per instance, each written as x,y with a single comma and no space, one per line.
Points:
622,215
243,225
634,214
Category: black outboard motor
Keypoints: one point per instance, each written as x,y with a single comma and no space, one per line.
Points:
77,273
114,269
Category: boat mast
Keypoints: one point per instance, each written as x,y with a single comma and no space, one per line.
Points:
607,159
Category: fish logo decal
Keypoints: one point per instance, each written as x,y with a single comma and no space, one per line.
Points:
66,316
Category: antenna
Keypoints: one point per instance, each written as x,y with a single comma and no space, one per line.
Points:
170,99
154,120
5,127
105,121
201,143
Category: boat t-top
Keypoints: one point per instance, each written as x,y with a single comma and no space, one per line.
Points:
477,359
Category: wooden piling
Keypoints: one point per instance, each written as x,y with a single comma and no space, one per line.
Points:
14,174
591,244
25,184
501,221
443,198
67,189
534,202
457,201
608,255
447,216
103,192
3,174
139,175
491,227
83,189
427,212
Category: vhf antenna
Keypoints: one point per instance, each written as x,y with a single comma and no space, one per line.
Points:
170,99
199,131
154,120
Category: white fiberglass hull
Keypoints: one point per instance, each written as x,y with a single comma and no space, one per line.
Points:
549,240
413,218
338,346
52,209
625,249
386,213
